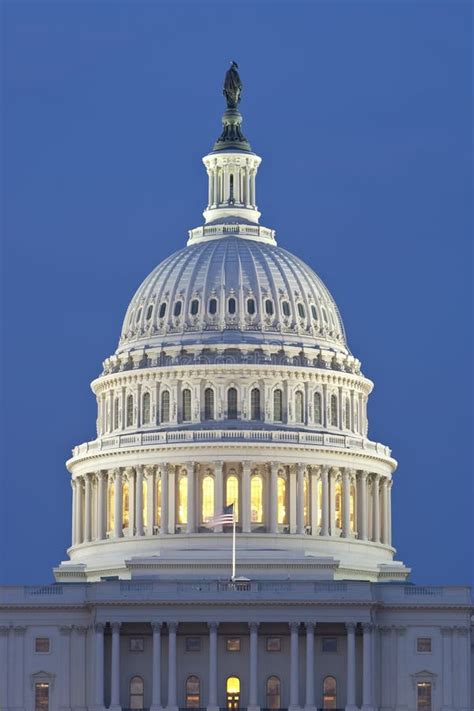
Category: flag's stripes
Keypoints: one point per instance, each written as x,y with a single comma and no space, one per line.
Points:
227,516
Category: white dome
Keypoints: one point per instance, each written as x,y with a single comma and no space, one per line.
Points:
233,289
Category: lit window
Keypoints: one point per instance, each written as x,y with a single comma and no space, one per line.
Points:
278,405
256,499
334,410
110,505
139,313
165,406
41,696
129,410
317,408
269,307
273,692
146,408
273,644
183,499
125,504
137,644
149,312
42,645
177,308
207,498
233,692
162,311
232,404
158,502
423,696
423,644
301,311
137,696
329,693
314,313
299,407
208,404
329,645
144,499
320,500
186,395
193,644
281,501
232,494
212,306
352,503
193,692
338,504
285,308
233,644
255,404
194,307
251,306
232,306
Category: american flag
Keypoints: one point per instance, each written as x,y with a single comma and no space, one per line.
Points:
227,516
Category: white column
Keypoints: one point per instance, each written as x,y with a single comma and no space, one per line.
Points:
79,509
218,491
273,512
310,672
139,501
325,501
191,500
118,533
332,501
65,660
87,508
292,495
362,506
150,500
447,683
346,503
351,668
294,666
389,512
171,498
156,668
101,501
78,667
172,700
130,474
403,680
212,704
367,676
115,668
253,668
384,487
99,665
74,514
300,498
376,509
18,665
246,523
163,473
314,501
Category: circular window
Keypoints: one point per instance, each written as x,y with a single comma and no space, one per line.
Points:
269,307
177,308
286,308
251,306
213,306
194,307
162,310
232,306
301,310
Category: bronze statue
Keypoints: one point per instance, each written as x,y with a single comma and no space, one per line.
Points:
232,86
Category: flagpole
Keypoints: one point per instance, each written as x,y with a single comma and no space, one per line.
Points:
233,545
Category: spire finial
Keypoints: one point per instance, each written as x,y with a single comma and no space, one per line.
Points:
232,86
232,137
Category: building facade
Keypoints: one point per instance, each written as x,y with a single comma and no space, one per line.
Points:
233,386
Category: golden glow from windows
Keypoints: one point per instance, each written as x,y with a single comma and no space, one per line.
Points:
207,497
233,685
306,501
144,506
110,505
338,504
352,507
158,502
183,499
256,499
281,499
320,503
125,504
232,494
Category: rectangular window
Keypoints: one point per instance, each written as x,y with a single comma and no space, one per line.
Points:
233,644
41,696
329,644
423,696
273,644
193,644
137,644
423,644
42,645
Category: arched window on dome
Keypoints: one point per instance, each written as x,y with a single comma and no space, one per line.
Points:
183,499
255,412
325,316
149,312
282,507
306,501
129,410
314,313
146,408
158,501
137,693
193,692
273,692
352,508
232,404
194,308
116,413
318,410
338,504
299,406
232,306
285,307
125,504
207,497
139,313
329,693
177,309
334,410
212,306
165,406
269,307
348,414
232,494
208,404
256,499
278,405
251,306
186,404
110,505
162,311
301,310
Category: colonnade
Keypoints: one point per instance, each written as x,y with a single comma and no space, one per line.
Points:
268,498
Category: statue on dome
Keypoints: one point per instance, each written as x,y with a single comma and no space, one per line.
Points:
232,86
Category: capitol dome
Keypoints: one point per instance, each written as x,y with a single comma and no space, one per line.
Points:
232,389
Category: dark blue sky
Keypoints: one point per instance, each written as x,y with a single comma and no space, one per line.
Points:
362,113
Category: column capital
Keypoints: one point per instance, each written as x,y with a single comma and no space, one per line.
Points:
73,483
310,626
115,626
367,627
4,630
362,474
150,471
80,629
462,630
400,630
294,626
129,471
300,468
247,466
351,626
19,629
65,629
156,626
447,630
253,626
212,626
99,627
172,626
324,469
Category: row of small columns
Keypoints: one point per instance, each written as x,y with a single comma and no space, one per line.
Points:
85,509
219,186
213,705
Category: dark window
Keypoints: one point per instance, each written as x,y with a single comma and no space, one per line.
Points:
273,644
232,306
194,307
137,644
146,408
314,313
149,312
137,693
177,308
329,693
273,692
232,404
193,692
165,406
317,408
255,404
42,645
423,644
212,306
162,310
329,644
129,410
186,404
301,310
278,405
233,644
251,306
269,307
41,696
193,644
286,308
334,410
208,404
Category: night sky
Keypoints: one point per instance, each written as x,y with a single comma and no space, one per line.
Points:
362,114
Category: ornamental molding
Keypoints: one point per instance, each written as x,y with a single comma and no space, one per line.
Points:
42,677
424,676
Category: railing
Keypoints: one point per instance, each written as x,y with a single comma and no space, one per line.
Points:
144,439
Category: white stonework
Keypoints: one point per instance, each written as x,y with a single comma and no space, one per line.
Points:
233,383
